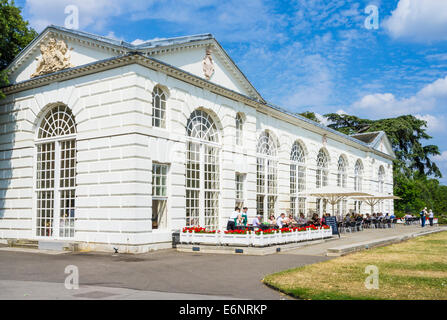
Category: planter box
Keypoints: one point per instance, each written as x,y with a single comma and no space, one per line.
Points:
185,237
232,239
288,237
259,241
205,238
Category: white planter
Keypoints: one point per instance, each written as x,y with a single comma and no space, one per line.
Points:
205,238
185,237
314,234
259,240
232,239
287,237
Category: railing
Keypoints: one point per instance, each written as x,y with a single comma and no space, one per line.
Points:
254,239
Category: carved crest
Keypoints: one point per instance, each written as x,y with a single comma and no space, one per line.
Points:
55,56
208,64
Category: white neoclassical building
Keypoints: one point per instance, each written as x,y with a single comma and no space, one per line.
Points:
105,143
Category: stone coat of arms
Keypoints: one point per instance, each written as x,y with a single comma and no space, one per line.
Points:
55,57
208,65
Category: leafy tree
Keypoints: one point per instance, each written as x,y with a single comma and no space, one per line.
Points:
309,115
414,172
15,34
406,134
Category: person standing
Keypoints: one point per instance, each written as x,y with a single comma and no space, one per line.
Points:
245,215
430,217
231,225
422,214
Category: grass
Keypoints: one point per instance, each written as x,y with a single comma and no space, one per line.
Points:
411,270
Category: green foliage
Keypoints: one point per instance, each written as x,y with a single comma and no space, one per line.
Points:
414,172
406,134
15,34
309,115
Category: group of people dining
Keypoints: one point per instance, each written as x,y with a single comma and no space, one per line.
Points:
239,220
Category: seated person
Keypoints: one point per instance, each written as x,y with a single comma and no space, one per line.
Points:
280,221
257,221
316,221
302,220
272,220
291,220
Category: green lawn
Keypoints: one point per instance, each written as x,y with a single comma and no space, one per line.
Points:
415,269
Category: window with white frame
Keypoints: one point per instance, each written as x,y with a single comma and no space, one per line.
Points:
322,173
358,176
56,174
159,195
297,179
158,108
240,178
381,180
202,171
342,175
239,127
342,206
266,182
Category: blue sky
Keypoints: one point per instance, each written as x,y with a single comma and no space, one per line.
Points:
303,54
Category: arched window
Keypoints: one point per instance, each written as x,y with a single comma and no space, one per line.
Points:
239,132
381,179
202,171
158,108
322,169
266,182
342,175
56,174
358,176
297,179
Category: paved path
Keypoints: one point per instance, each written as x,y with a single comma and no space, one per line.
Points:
166,274
168,271
356,237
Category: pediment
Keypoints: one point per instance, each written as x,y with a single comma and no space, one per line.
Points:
199,55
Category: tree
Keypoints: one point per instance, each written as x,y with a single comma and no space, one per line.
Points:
414,172
406,134
309,115
15,35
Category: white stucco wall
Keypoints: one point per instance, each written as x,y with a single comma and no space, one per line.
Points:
116,146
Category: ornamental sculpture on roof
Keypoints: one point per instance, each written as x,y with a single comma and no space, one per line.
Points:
55,57
208,65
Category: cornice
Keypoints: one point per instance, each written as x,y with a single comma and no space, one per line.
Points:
192,79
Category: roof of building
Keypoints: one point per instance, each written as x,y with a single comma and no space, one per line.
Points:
367,140
367,137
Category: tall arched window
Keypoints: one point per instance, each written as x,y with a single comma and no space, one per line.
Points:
202,171
297,179
239,132
158,108
266,182
342,175
381,179
56,174
322,169
381,184
358,176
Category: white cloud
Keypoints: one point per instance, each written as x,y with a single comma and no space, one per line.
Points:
442,157
435,124
231,20
418,21
432,97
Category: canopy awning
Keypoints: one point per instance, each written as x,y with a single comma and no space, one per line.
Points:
333,194
375,198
